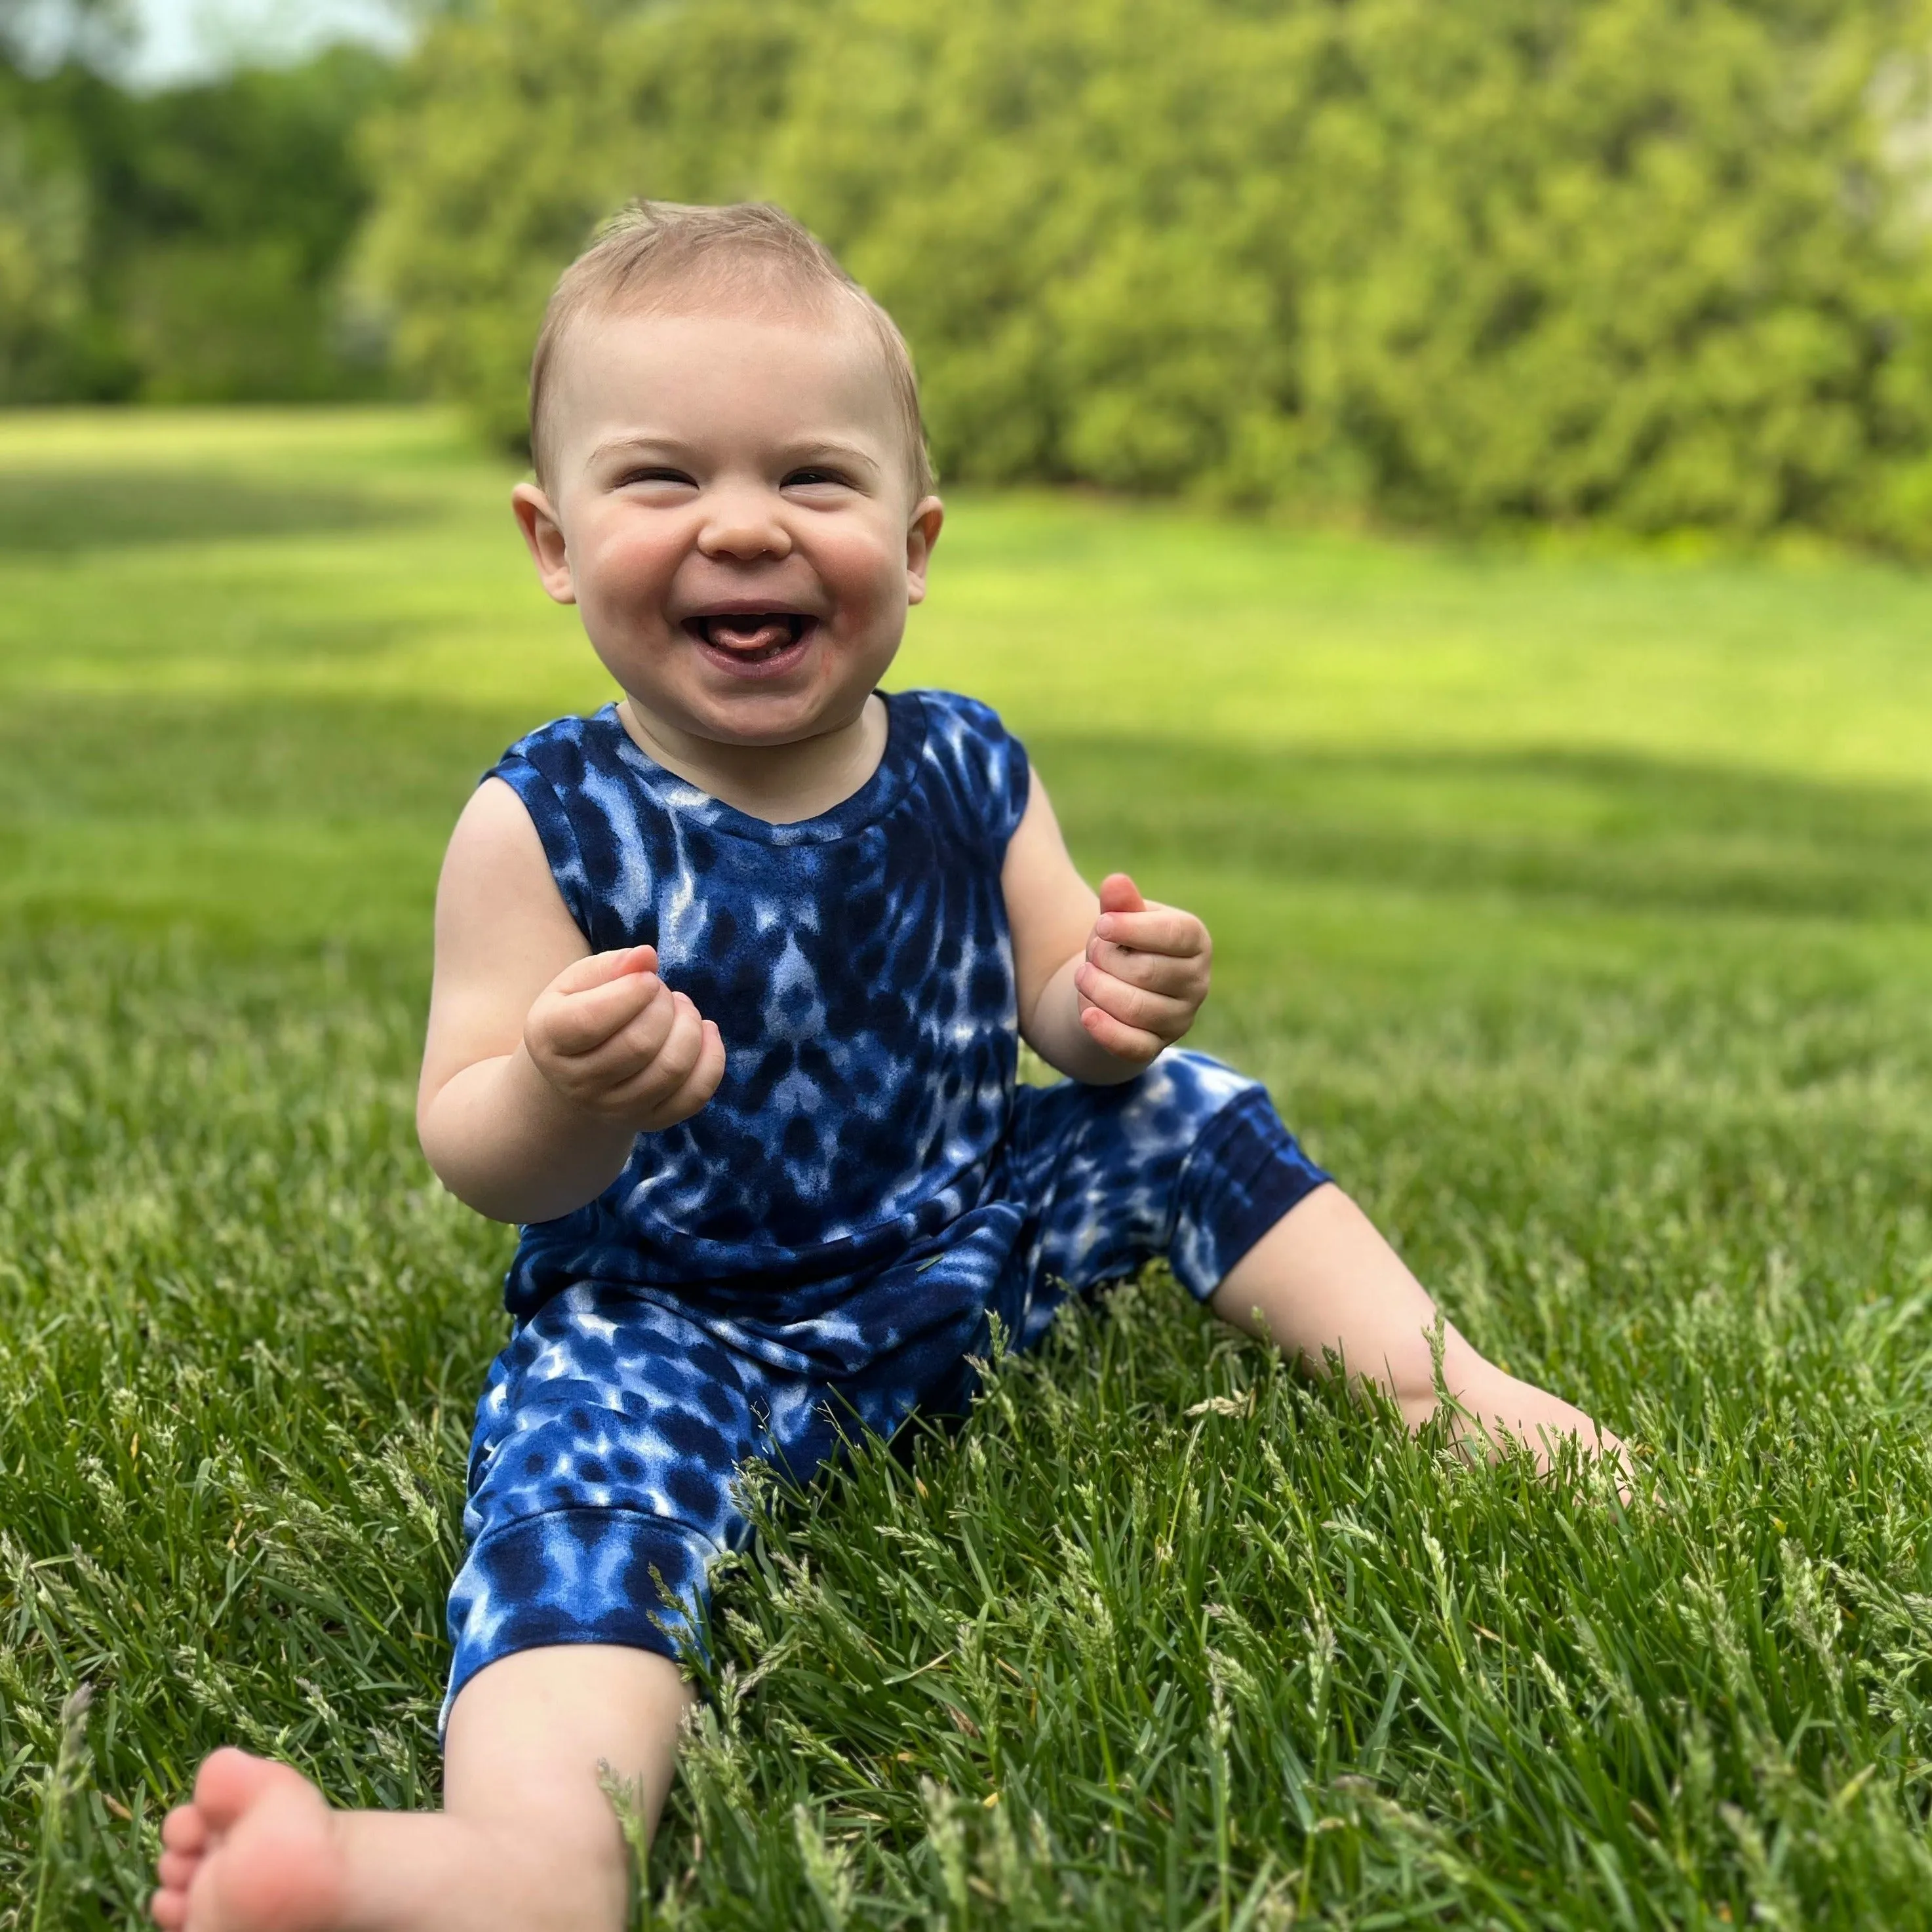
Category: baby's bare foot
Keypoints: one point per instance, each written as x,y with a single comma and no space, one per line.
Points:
256,1851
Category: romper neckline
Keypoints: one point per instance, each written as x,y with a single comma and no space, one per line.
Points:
905,739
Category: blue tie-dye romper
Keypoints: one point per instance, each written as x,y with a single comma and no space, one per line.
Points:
819,1250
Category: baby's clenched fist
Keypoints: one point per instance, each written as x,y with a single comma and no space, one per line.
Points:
1145,972
614,1040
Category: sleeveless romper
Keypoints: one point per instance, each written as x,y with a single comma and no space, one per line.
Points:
819,1250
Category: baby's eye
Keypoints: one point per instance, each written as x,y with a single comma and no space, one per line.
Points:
656,474
805,479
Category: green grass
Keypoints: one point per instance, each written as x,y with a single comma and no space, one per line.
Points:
1576,904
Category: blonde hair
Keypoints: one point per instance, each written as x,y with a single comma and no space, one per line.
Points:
657,255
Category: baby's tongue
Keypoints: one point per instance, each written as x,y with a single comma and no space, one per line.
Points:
747,632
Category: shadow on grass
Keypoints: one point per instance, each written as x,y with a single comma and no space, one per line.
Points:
99,803
57,512
1586,830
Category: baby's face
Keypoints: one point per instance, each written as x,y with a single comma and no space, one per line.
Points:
732,514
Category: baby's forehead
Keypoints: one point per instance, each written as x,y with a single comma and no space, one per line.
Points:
812,312
819,348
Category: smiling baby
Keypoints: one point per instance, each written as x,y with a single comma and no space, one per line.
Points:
730,981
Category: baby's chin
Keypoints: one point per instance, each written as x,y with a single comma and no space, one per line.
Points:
754,717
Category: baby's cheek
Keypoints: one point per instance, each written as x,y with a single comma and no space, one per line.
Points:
867,577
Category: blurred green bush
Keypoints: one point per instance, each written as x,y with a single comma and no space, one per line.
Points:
188,244
1662,263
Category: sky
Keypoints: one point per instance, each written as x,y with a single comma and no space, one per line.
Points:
183,40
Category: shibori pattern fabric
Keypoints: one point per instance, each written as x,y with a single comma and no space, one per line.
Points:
821,1248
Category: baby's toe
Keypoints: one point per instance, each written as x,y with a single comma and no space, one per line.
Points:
185,1829
168,1908
174,1870
229,1781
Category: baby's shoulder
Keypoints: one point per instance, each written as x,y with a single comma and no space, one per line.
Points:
567,747
959,729
957,718
972,760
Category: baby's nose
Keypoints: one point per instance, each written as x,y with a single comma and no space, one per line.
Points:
744,523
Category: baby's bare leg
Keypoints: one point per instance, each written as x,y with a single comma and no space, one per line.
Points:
526,1838
1323,1279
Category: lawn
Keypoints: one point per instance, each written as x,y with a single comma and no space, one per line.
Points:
1575,902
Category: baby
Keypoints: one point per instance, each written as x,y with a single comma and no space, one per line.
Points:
729,983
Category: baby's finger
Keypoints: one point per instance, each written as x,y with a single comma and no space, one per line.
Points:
643,1039
1153,1013
1159,929
1124,1043
703,1080
678,1057
582,1022
1154,972
599,969
627,1052
674,1061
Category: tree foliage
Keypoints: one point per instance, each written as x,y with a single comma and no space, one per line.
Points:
43,242
519,127
1660,262
186,245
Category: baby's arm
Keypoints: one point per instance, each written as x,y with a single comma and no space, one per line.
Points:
1105,982
544,1061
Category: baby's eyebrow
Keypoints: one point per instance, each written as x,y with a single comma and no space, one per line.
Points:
633,441
842,452
817,449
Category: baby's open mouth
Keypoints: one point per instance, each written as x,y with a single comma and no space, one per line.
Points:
754,636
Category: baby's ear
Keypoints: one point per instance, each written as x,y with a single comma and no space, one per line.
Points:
543,534
922,533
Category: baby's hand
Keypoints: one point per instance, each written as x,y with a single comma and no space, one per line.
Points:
1145,972
612,1038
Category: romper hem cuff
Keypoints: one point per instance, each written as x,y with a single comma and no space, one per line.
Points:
625,1544
1245,1172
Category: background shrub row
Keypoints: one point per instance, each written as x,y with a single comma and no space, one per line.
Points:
1662,262
1657,263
